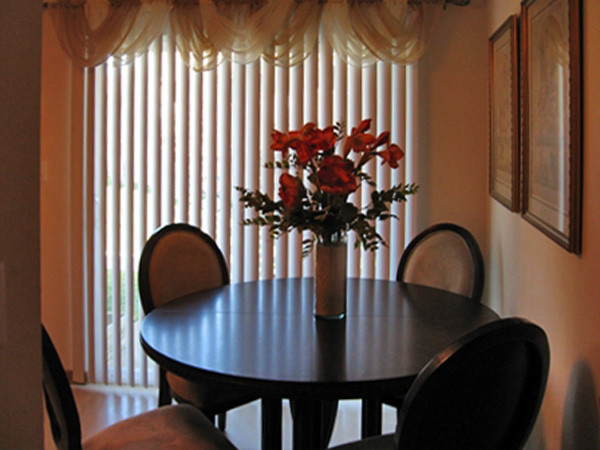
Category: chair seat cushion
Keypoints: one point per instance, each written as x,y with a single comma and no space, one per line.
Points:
176,427
212,397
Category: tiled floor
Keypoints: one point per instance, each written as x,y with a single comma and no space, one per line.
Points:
100,406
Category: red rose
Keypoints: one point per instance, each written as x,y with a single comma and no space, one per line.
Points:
335,175
290,191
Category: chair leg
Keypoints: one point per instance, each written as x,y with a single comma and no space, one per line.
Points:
210,417
164,391
371,418
329,410
271,423
221,421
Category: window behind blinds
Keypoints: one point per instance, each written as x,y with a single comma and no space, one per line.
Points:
168,144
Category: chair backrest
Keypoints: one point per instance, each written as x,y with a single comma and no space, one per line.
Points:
483,392
60,404
444,256
177,260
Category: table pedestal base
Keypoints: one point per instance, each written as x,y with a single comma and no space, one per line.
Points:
313,422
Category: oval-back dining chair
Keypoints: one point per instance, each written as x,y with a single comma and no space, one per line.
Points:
444,256
177,260
481,393
175,426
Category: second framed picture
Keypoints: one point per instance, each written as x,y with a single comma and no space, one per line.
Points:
552,128
504,183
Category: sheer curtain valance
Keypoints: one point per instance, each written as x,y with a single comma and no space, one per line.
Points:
284,32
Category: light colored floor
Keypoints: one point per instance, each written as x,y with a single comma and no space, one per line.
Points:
100,406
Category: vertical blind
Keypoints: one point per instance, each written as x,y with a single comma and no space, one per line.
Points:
169,144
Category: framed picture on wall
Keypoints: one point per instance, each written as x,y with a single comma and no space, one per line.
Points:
552,130
504,114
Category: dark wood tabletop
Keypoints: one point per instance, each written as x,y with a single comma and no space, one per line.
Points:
263,335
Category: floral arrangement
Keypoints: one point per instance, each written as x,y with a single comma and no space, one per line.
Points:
322,205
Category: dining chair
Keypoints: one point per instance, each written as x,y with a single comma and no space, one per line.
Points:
175,426
444,256
177,260
483,392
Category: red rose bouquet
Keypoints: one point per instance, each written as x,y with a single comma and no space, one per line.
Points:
323,206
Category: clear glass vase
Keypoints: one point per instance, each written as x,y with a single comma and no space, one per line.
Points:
330,277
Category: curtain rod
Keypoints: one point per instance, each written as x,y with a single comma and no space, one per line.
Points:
446,2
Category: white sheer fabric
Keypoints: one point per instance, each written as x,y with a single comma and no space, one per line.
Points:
284,32
390,31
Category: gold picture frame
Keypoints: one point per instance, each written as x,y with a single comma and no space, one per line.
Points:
552,113
504,163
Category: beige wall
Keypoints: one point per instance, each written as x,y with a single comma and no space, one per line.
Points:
530,276
20,338
57,203
452,130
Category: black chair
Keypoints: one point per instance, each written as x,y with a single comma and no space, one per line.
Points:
444,256
177,260
483,392
176,426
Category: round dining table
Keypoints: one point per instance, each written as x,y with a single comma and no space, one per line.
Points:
263,335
